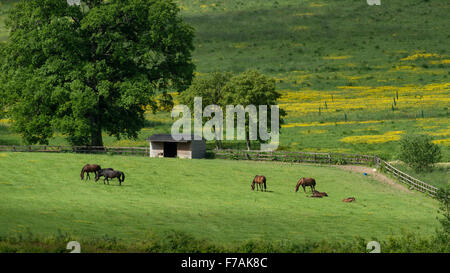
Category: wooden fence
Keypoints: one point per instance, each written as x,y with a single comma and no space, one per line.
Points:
141,151
282,156
298,157
329,158
412,182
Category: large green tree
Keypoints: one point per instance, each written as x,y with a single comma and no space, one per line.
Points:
211,90
81,70
252,88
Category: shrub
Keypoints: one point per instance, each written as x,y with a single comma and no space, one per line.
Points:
443,197
418,152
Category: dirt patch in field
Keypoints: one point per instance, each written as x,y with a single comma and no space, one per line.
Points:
375,175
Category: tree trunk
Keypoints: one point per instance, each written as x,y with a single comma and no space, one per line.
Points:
218,141
247,138
96,133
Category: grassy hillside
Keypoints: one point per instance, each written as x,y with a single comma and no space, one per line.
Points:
353,77
4,6
45,196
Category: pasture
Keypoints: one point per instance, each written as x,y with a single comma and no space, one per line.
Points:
42,194
354,78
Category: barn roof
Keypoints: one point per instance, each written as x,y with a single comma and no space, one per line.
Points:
169,138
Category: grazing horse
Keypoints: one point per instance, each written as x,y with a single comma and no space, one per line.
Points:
89,168
348,200
110,173
260,181
306,182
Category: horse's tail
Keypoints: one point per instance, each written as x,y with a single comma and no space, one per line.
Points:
123,177
265,188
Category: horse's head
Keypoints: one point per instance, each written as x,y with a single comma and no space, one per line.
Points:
253,185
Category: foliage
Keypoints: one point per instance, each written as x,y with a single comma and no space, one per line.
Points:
419,152
210,89
181,242
83,70
442,196
252,88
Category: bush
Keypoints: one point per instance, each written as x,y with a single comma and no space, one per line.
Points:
443,197
418,152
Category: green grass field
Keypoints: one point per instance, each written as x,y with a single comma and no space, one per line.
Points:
333,61
208,199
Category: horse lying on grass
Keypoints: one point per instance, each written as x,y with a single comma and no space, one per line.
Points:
349,200
110,173
318,194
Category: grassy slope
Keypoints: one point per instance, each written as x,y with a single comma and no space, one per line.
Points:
4,5
42,193
321,45
440,174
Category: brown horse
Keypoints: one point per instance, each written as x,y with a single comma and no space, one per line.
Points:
306,182
348,200
260,181
319,194
89,168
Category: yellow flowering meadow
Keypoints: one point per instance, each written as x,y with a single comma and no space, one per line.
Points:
445,142
421,55
336,57
371,139
348,98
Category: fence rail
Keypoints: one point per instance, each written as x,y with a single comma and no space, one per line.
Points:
412,182
142,151
283,156
299,157
329,158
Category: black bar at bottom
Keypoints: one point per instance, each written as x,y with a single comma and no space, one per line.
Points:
220,262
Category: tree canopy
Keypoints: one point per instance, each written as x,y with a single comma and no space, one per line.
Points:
81,70
247,88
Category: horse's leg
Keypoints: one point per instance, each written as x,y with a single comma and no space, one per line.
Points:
304,188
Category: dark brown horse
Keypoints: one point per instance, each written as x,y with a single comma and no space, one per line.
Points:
319,194
110,173
260,181
89,168
306,182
